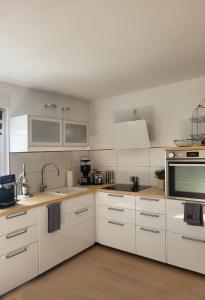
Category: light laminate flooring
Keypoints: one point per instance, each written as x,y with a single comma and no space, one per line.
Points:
102,273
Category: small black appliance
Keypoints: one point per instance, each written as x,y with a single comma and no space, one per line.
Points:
8,191
85,169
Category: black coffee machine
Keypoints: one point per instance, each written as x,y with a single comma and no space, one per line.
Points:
85,169
8,191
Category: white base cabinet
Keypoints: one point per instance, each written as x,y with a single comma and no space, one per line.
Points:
186,252
51,245
79,238
150,243
18,266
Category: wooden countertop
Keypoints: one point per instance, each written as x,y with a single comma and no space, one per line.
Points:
40,199
185,148
153,191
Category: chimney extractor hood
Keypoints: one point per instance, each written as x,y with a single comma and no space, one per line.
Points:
129,135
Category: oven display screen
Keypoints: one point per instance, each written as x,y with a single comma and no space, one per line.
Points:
192,154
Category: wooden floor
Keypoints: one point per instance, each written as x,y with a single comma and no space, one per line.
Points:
101,273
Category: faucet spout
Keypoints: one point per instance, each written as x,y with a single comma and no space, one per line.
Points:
43,185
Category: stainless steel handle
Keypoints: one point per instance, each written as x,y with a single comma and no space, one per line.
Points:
149,199
149,215
16,233
17,252
149,230
81,211
116,223
193,239
116,195
116,209
16,215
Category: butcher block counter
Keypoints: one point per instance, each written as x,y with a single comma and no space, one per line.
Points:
40,199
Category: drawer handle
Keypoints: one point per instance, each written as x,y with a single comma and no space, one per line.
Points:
17,215
150,199
116,209
16,233
116,195
149,230
17,252
116,223
193,239
81,211
149,215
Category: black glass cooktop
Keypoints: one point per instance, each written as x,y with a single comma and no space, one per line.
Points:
127,187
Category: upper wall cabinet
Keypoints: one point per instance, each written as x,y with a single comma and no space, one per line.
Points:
32,133
75,134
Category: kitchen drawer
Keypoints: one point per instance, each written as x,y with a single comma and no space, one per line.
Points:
116,235
18,266
150,219
79,216
115,200
175,220
19,220
115,213
186,252
79,238
79,202
150,204
18,239
151,243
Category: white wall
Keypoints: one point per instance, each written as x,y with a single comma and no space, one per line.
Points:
21,100
167,110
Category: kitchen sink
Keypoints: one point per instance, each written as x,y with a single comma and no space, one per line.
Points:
66,190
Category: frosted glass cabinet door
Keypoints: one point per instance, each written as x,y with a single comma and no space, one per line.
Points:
45,131
75,134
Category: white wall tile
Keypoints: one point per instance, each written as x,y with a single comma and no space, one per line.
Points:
157,157
52,180
133,157
34,180
153,180
76,175
61,159
33,161
124,173
105,158
76,155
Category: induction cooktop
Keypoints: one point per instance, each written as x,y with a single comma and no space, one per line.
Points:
127,187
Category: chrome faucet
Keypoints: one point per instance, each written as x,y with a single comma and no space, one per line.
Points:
43,185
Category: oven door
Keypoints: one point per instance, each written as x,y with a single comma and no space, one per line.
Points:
186,179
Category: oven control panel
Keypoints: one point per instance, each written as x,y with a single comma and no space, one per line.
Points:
186,154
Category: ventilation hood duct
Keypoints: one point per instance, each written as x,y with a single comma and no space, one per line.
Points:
130,135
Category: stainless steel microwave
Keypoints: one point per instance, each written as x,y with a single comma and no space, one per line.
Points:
185,174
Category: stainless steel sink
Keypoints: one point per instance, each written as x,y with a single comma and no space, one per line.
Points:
66,190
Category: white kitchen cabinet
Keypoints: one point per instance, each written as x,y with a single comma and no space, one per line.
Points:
115,200
75,134
175,220
152,204
79,202
79,216
79,238
116,234
186,251
51,245
153,220
150,243
18,266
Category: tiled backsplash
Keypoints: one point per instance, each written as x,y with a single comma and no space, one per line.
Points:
35,161
125,163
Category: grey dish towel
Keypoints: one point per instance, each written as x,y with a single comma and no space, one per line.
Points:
54,217
193,214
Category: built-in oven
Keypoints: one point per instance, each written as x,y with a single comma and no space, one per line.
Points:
185,174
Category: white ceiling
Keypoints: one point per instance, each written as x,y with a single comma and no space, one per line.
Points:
97,48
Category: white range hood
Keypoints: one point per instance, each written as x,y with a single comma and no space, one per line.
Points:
130,135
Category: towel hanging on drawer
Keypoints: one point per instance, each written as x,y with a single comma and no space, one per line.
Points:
193,214
54,217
